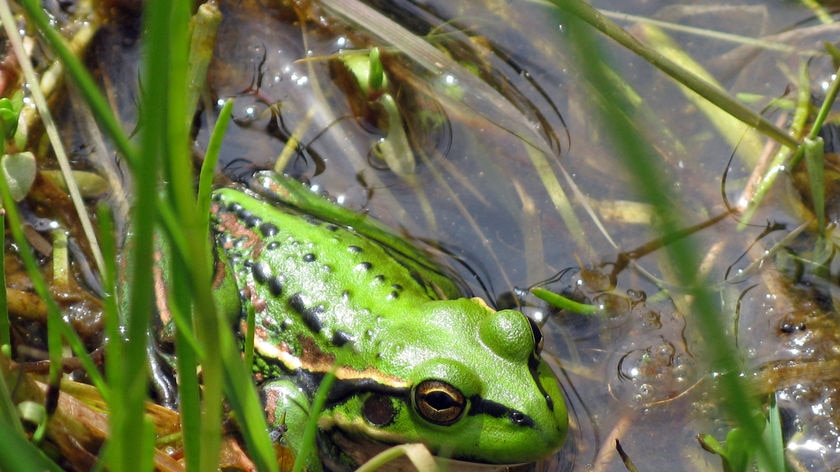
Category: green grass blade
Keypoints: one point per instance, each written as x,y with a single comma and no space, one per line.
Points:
715,95
83,80
5,324
245,403
126,364
204,26
774,440
56,327
211,158
559,301
19,455
312,425
650,182
746,144
814,164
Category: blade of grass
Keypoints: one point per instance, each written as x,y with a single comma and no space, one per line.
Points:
312,425
752,199
559,301
803,106
814,155
736,134
715,95
229,375
652,185
204,26
83,80
5,325
774,439
19,455
211,157
8,412
819,11
190,266
130,437
164,101
56,327
418,454
243,399
50,127
707,33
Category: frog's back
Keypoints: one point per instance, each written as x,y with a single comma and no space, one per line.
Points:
315,280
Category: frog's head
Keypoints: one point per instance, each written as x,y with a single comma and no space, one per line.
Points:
477,388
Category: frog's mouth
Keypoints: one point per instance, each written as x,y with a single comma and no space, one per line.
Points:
481,406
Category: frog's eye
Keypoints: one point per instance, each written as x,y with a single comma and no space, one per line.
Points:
538,336
438,402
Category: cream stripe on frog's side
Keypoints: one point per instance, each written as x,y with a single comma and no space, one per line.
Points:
454,374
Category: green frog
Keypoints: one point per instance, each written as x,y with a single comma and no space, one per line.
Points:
414,360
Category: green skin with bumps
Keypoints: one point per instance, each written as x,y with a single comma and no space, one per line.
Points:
414,362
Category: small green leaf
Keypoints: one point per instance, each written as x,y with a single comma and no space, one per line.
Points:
394,148
368,71
90,184
739,450
376,79
36,414
559,301
774,439
814,157
710,444
834,53
9,114
18,173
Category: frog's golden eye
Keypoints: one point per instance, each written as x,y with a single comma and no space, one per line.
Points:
438,402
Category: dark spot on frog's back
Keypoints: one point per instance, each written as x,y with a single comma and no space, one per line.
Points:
275,285
224,240
311,220
268,230
340,338
311,315
252,221
261,271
